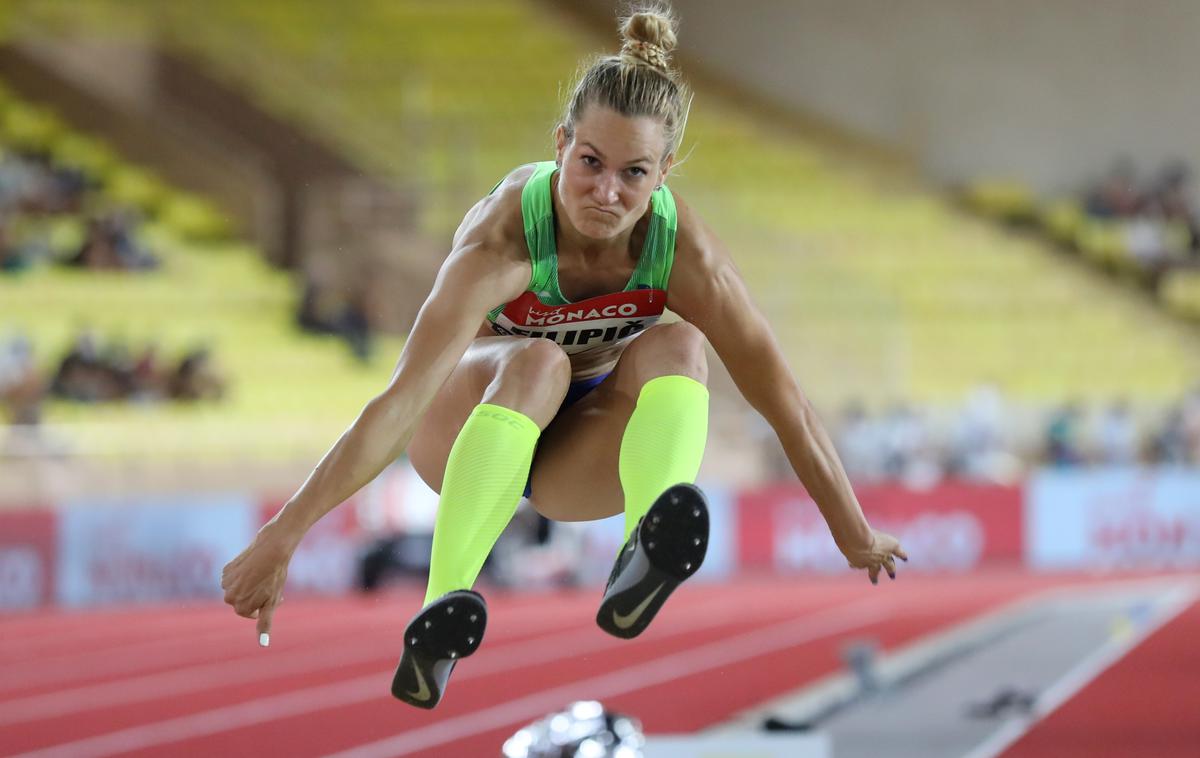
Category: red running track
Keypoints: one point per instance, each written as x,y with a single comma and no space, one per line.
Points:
190,680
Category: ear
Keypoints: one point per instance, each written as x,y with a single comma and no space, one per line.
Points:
665,168
560,144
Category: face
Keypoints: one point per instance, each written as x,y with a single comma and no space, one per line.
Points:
609,170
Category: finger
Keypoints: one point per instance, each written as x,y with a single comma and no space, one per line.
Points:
889,565
873,573
264,625
899,553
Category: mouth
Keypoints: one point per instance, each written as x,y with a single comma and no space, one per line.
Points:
601,210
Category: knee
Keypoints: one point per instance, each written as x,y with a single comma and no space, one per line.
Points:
675,348
539,360
534,371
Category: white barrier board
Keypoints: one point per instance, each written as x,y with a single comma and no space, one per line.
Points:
811,745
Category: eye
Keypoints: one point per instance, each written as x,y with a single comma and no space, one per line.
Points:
637,171
590,160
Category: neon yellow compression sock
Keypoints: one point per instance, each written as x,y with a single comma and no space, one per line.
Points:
663,443
485,478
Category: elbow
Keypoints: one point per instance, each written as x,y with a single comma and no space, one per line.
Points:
385,408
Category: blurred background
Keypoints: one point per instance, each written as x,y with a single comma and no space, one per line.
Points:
973,228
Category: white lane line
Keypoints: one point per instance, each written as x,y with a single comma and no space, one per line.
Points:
815,697
1081,674
137,657
781,636
812,699
59,637
86,625
210,675
373,686
199,677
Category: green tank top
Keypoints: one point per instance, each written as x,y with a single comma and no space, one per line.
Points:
601,324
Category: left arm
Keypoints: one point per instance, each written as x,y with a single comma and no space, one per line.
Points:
707,290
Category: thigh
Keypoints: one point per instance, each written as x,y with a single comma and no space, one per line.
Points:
576,474
434,436
575,470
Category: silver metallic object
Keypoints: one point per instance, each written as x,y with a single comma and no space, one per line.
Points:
583,730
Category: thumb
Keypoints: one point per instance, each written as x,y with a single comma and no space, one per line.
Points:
264,623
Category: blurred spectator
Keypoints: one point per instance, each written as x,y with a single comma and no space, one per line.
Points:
30,184
908,449
1170,444
1118,436
148,381
1148,238
31,187
196,379
1170,197
109,245
980,438
81,376
21,389
12,258
324,311
1190,423
1116,195
87,374
859,443
1062,446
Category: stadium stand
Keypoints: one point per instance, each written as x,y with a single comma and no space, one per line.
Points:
878,289
210,290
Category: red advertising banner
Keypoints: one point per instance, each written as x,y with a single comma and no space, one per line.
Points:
28,539
953,526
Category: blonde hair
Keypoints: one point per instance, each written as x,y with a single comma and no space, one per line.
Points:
639,81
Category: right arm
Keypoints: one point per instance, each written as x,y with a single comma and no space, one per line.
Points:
480,273
472,281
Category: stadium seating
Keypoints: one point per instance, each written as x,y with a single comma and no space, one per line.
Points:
877,287
210,290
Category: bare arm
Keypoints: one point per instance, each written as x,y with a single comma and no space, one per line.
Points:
472,281
707,290
477,276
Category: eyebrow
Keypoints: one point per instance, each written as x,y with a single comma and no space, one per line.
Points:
596,150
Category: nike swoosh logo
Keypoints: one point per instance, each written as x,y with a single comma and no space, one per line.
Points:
422,692
624,622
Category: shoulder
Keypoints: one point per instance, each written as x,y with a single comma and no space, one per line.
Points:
489,245
697,246
701,259
495,222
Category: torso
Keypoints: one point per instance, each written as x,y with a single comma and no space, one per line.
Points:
578,280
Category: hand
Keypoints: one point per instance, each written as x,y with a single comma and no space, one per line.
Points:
881,553
253,581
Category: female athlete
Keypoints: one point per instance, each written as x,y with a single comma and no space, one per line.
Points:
540,333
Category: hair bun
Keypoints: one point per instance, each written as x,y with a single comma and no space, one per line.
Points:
649,36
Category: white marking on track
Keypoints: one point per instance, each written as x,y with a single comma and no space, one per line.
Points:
136,657
324,697
1081,674
254,667
776,637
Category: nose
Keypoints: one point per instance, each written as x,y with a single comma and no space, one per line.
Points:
607,188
